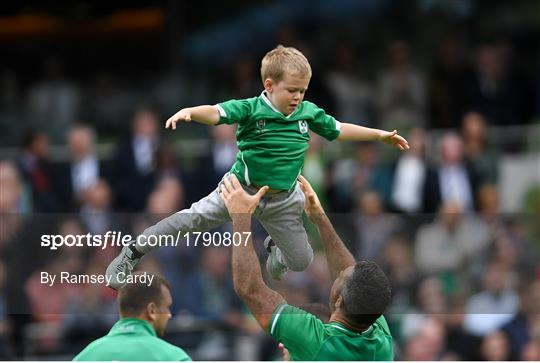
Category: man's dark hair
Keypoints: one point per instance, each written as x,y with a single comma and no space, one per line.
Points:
133,298
366,294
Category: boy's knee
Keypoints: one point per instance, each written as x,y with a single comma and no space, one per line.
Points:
300,264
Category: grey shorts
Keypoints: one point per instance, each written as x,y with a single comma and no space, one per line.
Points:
280,215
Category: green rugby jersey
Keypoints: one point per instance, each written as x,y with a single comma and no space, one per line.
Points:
271,145
308,338
131,339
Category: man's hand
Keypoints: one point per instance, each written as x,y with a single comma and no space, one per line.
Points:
237,200
313,207
284,352
184,115
392,138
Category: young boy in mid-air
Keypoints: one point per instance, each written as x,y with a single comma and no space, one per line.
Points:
272,137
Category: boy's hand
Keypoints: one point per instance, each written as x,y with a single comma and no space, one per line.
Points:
184,115
392,138
313,207
237,200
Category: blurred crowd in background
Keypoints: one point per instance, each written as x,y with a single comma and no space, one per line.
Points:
453,221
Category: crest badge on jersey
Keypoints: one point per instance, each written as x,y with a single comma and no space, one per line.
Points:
261,124
303,126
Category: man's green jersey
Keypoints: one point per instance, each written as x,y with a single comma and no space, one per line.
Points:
272,145
131,339
308,338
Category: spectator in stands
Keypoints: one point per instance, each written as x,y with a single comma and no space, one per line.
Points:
175,263
531,351
55,99
144,311
167,165
88,314
401,91
354,176
477,155
428,343
525,326
493,91
6,352
409,174
83,169
134,163
36,172
446,244
461,344
446,84
354,94
430,302
47,303
224,151
453,181
11,202
166,198
399,267
314,167
374,227
495,347
96,212
494,306
213,300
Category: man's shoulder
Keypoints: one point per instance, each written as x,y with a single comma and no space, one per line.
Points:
90,349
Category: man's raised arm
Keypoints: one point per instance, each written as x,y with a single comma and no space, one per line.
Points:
337,255
246,270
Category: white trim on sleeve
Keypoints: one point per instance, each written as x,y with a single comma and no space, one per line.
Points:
278,313
221,111
338,125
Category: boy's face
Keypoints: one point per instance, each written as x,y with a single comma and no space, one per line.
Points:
286,94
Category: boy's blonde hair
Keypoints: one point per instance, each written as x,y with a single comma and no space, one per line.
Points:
281,60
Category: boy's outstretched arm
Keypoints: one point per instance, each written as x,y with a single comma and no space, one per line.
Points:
205,114
337,254
350,132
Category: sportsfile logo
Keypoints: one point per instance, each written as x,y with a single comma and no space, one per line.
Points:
119,239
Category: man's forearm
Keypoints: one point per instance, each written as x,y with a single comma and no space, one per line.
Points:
337,254
205,114
246,269
350,132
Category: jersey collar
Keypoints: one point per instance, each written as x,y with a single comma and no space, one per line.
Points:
269,103
342,327
133,326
